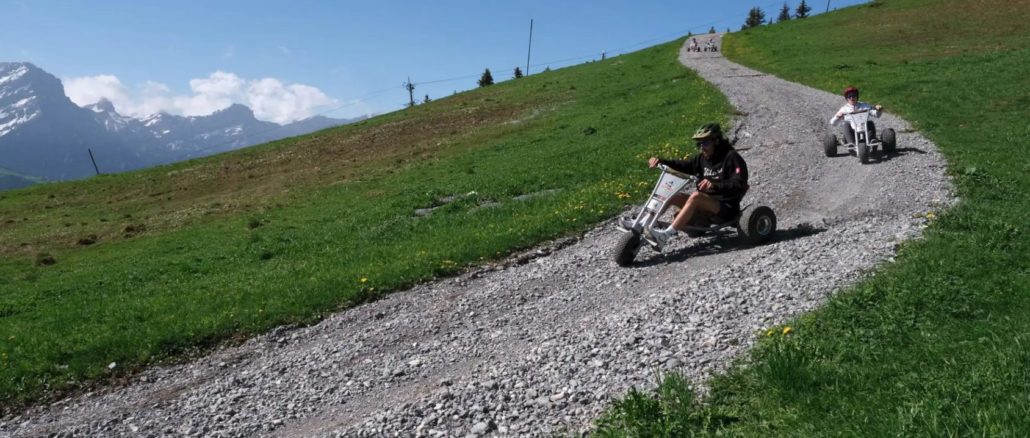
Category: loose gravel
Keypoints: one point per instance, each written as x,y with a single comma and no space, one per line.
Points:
543,343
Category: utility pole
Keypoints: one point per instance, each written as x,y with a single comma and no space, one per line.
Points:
530,51
827,5
411,92
93,160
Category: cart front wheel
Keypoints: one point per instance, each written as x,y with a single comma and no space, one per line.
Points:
626,249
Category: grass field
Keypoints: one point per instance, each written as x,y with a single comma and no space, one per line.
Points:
937,344
149,266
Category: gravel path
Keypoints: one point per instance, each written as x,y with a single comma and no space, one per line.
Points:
542,343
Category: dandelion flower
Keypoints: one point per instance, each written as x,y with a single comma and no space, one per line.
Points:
787,330
364,279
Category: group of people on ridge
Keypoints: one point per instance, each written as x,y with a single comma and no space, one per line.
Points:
695,47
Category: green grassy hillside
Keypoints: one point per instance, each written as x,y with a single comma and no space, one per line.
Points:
136,268
937,344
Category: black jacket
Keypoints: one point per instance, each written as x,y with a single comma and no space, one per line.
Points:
726,170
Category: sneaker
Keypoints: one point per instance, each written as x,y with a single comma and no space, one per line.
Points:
626,223
660,238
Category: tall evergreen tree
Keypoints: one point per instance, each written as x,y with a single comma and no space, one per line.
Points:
802,10
486,79
755,18
784,13
518,73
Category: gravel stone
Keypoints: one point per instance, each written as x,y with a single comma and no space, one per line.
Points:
541,343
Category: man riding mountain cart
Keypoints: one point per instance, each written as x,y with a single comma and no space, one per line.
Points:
721,181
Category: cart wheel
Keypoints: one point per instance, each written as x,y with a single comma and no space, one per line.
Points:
890,143
863,153
757,224
829,144
627,248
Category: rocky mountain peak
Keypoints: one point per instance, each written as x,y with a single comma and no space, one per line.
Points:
103,105
235,111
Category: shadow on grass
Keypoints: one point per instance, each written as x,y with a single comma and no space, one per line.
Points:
724,241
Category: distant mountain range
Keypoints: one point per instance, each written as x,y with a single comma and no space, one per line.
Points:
45,136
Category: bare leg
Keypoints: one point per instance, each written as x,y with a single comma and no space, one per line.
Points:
677,200
698,203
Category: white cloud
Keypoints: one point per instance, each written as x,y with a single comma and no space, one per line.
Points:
90,89
270,98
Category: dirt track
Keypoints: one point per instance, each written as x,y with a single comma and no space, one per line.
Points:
542,345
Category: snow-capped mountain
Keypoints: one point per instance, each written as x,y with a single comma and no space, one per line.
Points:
109,118
44,134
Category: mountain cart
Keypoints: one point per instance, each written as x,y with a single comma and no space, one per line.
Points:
865,144
757,224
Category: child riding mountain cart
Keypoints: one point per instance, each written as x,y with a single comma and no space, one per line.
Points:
859,132
709,189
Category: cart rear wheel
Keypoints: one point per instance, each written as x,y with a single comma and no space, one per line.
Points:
829,144
757,224
890,143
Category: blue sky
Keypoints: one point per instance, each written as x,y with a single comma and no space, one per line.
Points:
293,59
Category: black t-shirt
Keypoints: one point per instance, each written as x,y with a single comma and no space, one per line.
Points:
726,170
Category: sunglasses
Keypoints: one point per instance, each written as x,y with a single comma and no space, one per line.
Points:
705,143
851,96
